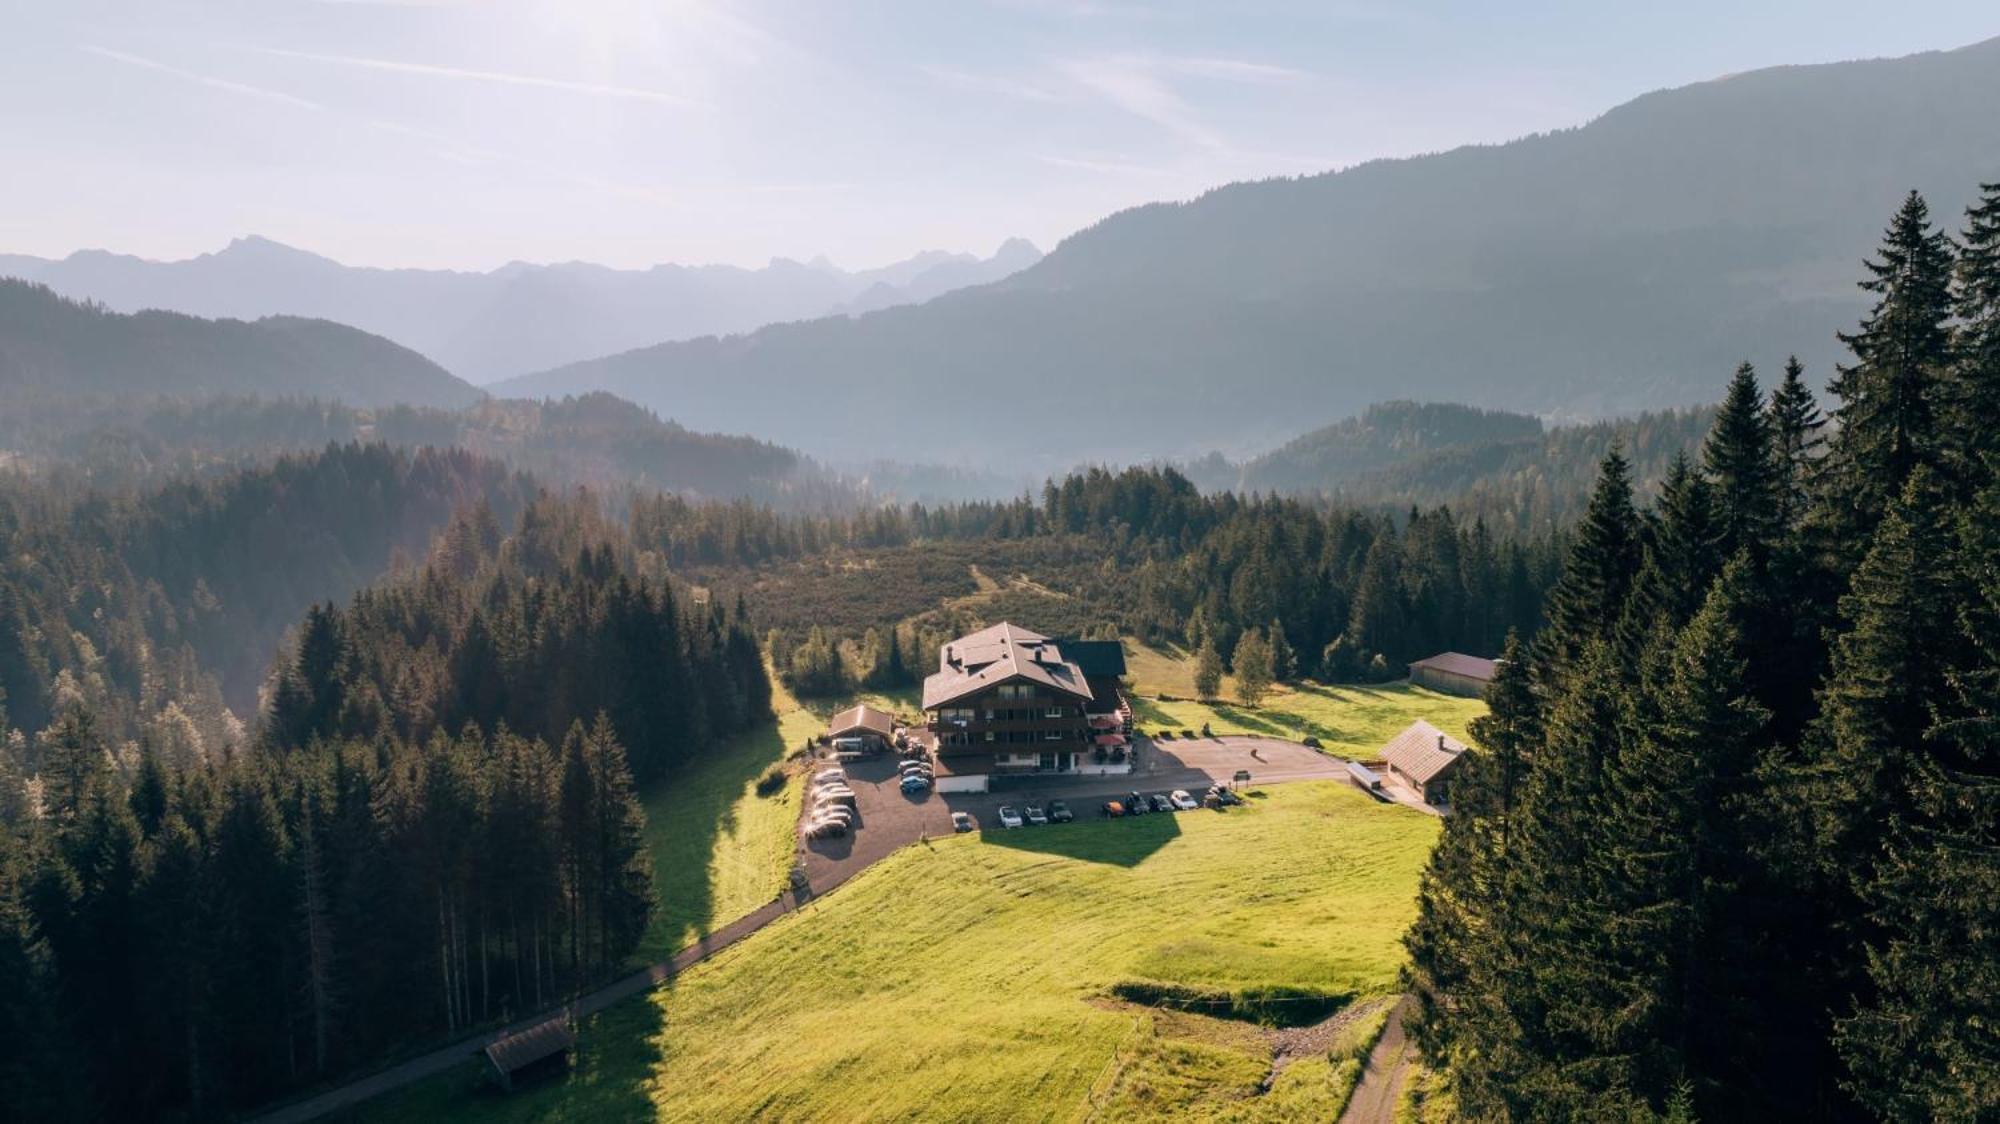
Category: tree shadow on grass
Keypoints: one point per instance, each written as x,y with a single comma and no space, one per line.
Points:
688,815
609,1077
1251,721
1127,841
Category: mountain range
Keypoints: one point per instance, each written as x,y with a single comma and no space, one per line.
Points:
514,319
1625,264
54,347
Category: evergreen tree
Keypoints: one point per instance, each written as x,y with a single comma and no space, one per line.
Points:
1795,422
1252,662
1681,556
1588,601
1971,405
1207,670
1889,396
1284,660
1738,457
1921,1046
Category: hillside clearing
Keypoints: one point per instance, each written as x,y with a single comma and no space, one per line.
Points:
1350,720
966,979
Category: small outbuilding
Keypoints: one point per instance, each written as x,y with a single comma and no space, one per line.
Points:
1454,673
1423,757
865,723
542,1048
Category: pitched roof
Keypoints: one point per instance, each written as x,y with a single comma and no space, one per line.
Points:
864,719
996,655
1458,663
1422,752
1098,658
531,1045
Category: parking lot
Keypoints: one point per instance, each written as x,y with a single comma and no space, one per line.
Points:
889,820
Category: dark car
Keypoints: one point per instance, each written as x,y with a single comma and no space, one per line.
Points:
1059,812
1160,803
1135,804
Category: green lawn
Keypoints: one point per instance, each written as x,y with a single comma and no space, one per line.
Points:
967,979
719,849
1349,720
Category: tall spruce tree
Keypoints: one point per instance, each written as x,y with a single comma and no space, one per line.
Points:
1796,441
1458,944
1738,457
1922,1043
1971,405
1589,600
1887,414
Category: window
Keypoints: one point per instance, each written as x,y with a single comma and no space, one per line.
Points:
1053,712
990,737
1052,735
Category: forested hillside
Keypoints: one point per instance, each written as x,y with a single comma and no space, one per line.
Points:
1726,845
1501,467
159,609
597,440
436,826
51,346
1593,271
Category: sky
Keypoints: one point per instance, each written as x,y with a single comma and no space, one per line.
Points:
468,133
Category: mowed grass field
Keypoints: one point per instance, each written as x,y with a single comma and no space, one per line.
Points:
719,849
1350,721
969,979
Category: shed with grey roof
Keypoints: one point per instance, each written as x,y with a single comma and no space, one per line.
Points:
1454,673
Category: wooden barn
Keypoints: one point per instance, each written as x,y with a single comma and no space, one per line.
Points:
1454,673
871,727
541,1049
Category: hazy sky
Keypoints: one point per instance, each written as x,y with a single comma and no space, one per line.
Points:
466,134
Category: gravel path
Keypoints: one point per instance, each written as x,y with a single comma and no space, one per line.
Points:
1381,1085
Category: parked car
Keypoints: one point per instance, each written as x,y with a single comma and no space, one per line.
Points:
1036,815
1113,809
836,812
1310,742
1135,804
1212,799
825,829
850,745
1182,800
1010,816
909,767
1159,803
1226,796
915,785
1059,812
961,822
835,797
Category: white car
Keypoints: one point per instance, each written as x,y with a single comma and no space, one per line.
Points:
834,812
1010,816
826,829
836,796
1180,799
1036,815
830,776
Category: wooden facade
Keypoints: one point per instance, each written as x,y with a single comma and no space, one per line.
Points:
1007,700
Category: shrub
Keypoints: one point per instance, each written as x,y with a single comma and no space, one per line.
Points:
772,781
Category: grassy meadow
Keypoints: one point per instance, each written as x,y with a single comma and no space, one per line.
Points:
1350,721
970,979
719,849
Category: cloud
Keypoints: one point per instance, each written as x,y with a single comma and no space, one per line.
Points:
496,77
987,84
1147,86
212,82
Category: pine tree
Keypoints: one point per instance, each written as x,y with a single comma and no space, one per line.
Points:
1207,670
1738,457
1681,556
1921,1045
1971,403
1284,660
1458,945
1795,424
1588,602
1889,397
623,860
1252,662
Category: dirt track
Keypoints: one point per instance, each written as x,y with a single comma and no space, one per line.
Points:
1374,1100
